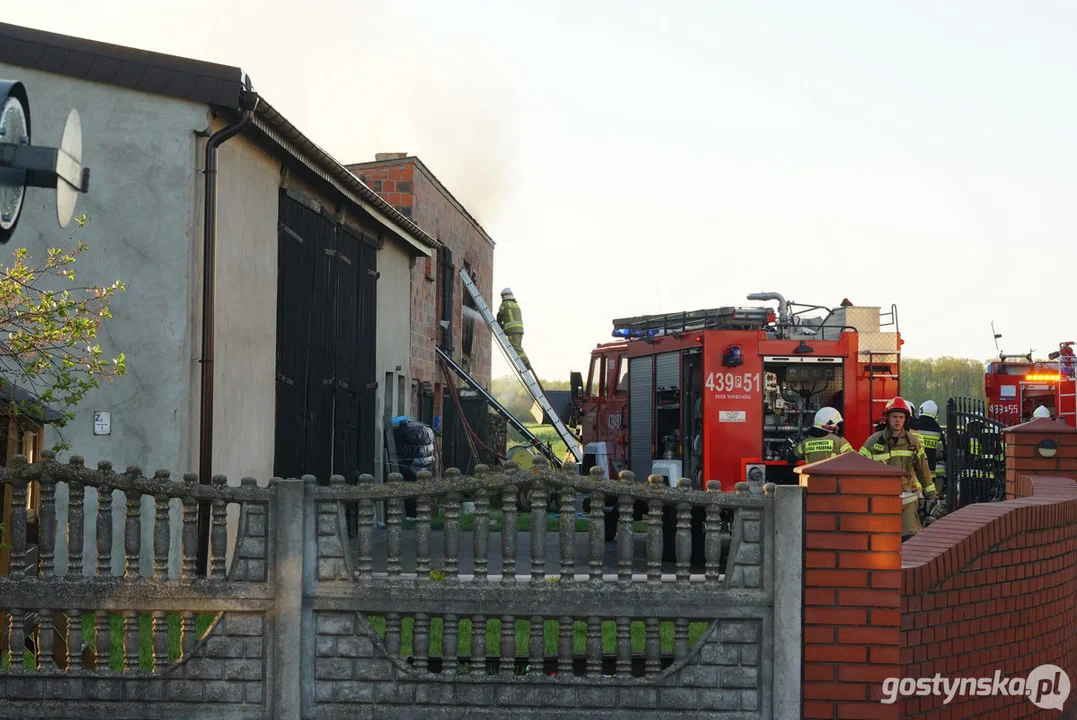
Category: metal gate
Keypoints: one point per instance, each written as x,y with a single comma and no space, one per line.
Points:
975,455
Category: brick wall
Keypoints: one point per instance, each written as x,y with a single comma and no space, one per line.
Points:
852,588
412,189
991,588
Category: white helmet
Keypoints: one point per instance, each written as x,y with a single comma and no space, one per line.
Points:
828,418
1042,412
506,293
929,408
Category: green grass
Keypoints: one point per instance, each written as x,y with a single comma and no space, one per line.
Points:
116,640
637,631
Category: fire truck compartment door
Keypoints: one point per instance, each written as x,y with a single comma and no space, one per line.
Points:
640,414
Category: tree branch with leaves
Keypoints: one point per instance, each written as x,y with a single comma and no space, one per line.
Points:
48,333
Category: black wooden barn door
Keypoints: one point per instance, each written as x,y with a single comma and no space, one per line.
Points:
326,314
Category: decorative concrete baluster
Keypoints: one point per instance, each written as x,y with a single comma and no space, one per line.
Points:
47,524
103,640
450,646
16,637
451,555
160,641
421,641
132,527
655,541
162,530
17,532
565,638
536,655
190,530
46,635
481,535
422,539
680,639
624,539
364,566
538,531
394,523
567,531
478,644
74,641
594,646
130,641
392,633
652,647
219,532
713,543
75,524
188,634
507,666
596,535
508,534
624,647
684,535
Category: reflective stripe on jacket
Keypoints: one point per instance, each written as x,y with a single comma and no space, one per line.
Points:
509,317
814,449
905,452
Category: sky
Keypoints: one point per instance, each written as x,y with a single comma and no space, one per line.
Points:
639,157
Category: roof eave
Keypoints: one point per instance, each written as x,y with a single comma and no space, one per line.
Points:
275,126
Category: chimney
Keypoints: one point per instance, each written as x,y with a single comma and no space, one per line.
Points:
378,157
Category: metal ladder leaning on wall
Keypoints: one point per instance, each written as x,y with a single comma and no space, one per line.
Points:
528,378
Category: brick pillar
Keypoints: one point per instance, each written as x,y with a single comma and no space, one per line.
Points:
852,586
1025,457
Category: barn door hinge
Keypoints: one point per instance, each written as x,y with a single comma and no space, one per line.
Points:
375,273
372,386
289,232
285,380
339,255
335,381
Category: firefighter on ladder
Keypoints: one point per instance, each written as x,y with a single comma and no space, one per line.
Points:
926,425
896,446
824,440
511,321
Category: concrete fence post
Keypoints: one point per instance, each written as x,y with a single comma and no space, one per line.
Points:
286,660
788,600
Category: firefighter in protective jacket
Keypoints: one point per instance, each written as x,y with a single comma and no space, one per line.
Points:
511,320
926,425
895,446
824,440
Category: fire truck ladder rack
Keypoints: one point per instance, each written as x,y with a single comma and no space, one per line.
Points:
724,318
1067,391
873,374
530,381
499,408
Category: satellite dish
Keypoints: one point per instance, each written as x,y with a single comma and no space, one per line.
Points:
14,130
24,165
71,155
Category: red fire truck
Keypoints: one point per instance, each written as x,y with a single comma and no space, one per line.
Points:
725,394
1015,385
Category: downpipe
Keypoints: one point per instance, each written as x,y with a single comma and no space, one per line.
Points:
248,103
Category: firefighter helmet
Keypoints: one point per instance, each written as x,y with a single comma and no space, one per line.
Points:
506,293
1041,412
898,404
828,419
929,408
